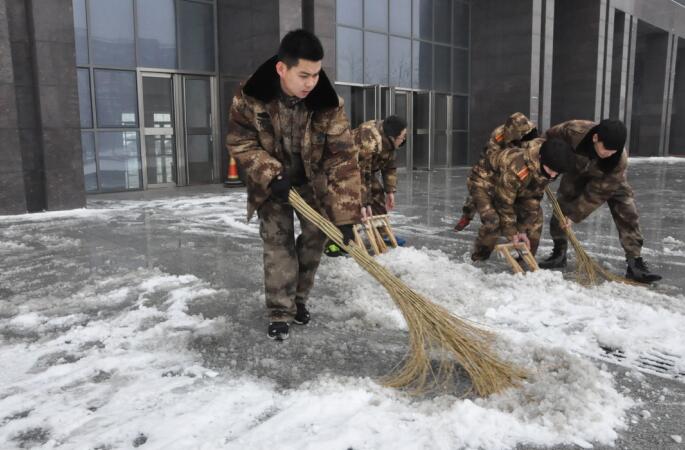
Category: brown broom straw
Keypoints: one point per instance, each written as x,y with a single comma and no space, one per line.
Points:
431,329
588,271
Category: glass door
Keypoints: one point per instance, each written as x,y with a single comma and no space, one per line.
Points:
402,107
421,130
160,166
199,138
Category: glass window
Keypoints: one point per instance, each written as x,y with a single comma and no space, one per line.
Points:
461,24
198,103
400,17
460,71
400,62
349,52
119,159
111,32
443,21
89,165
460,112
115,98
84,104
80,31
422,65
156,33
422,19
196,36
375,58
349,12
157,103
442,68
376,14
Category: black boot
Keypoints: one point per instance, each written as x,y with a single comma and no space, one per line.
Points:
638,271
557,259
278,330
302,317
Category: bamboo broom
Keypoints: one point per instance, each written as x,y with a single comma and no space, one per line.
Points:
432,329
588,271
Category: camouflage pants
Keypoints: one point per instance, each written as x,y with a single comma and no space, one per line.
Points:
377,200
289,264
489,231
621,205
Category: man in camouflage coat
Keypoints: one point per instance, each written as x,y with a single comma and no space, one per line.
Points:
517,129
598,176
288,129
508,195
377,142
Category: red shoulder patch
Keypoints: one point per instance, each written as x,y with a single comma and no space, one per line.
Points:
499,137
522,174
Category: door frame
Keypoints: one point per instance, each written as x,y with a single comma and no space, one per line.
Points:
179,126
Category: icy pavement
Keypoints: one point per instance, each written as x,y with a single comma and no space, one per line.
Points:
139,322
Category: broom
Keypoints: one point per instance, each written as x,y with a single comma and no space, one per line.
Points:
588,271
432,329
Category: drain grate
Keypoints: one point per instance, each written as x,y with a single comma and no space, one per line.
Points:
654,361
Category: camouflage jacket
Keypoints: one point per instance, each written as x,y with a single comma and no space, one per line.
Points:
519,186
376,154
595,179
328,152
507,135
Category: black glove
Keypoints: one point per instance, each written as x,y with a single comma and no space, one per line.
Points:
280,187
347,233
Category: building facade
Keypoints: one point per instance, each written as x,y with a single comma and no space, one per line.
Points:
116,95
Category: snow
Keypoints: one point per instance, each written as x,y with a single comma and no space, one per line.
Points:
656,159
109,359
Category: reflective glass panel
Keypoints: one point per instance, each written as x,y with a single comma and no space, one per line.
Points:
376,15
89,165
198,104
443,21
461,24
422,72
400,62
349,12
349,50
400,17
157,104
439,156
460,112
460,71
111,32
199,159
375,58
422,19
156,33
85,109
442,68
119,159
80,31
115,98
196,36
161,166
460,148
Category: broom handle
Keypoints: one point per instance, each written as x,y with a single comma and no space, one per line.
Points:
557,211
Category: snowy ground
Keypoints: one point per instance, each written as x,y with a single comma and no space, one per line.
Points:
140,323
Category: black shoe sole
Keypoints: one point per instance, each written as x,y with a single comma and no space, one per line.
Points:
278,337
301,322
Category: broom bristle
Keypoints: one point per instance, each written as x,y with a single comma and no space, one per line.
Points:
433,330
588,271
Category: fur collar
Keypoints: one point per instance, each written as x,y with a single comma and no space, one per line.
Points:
264,86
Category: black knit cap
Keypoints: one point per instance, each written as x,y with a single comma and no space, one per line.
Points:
612,133
558,155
